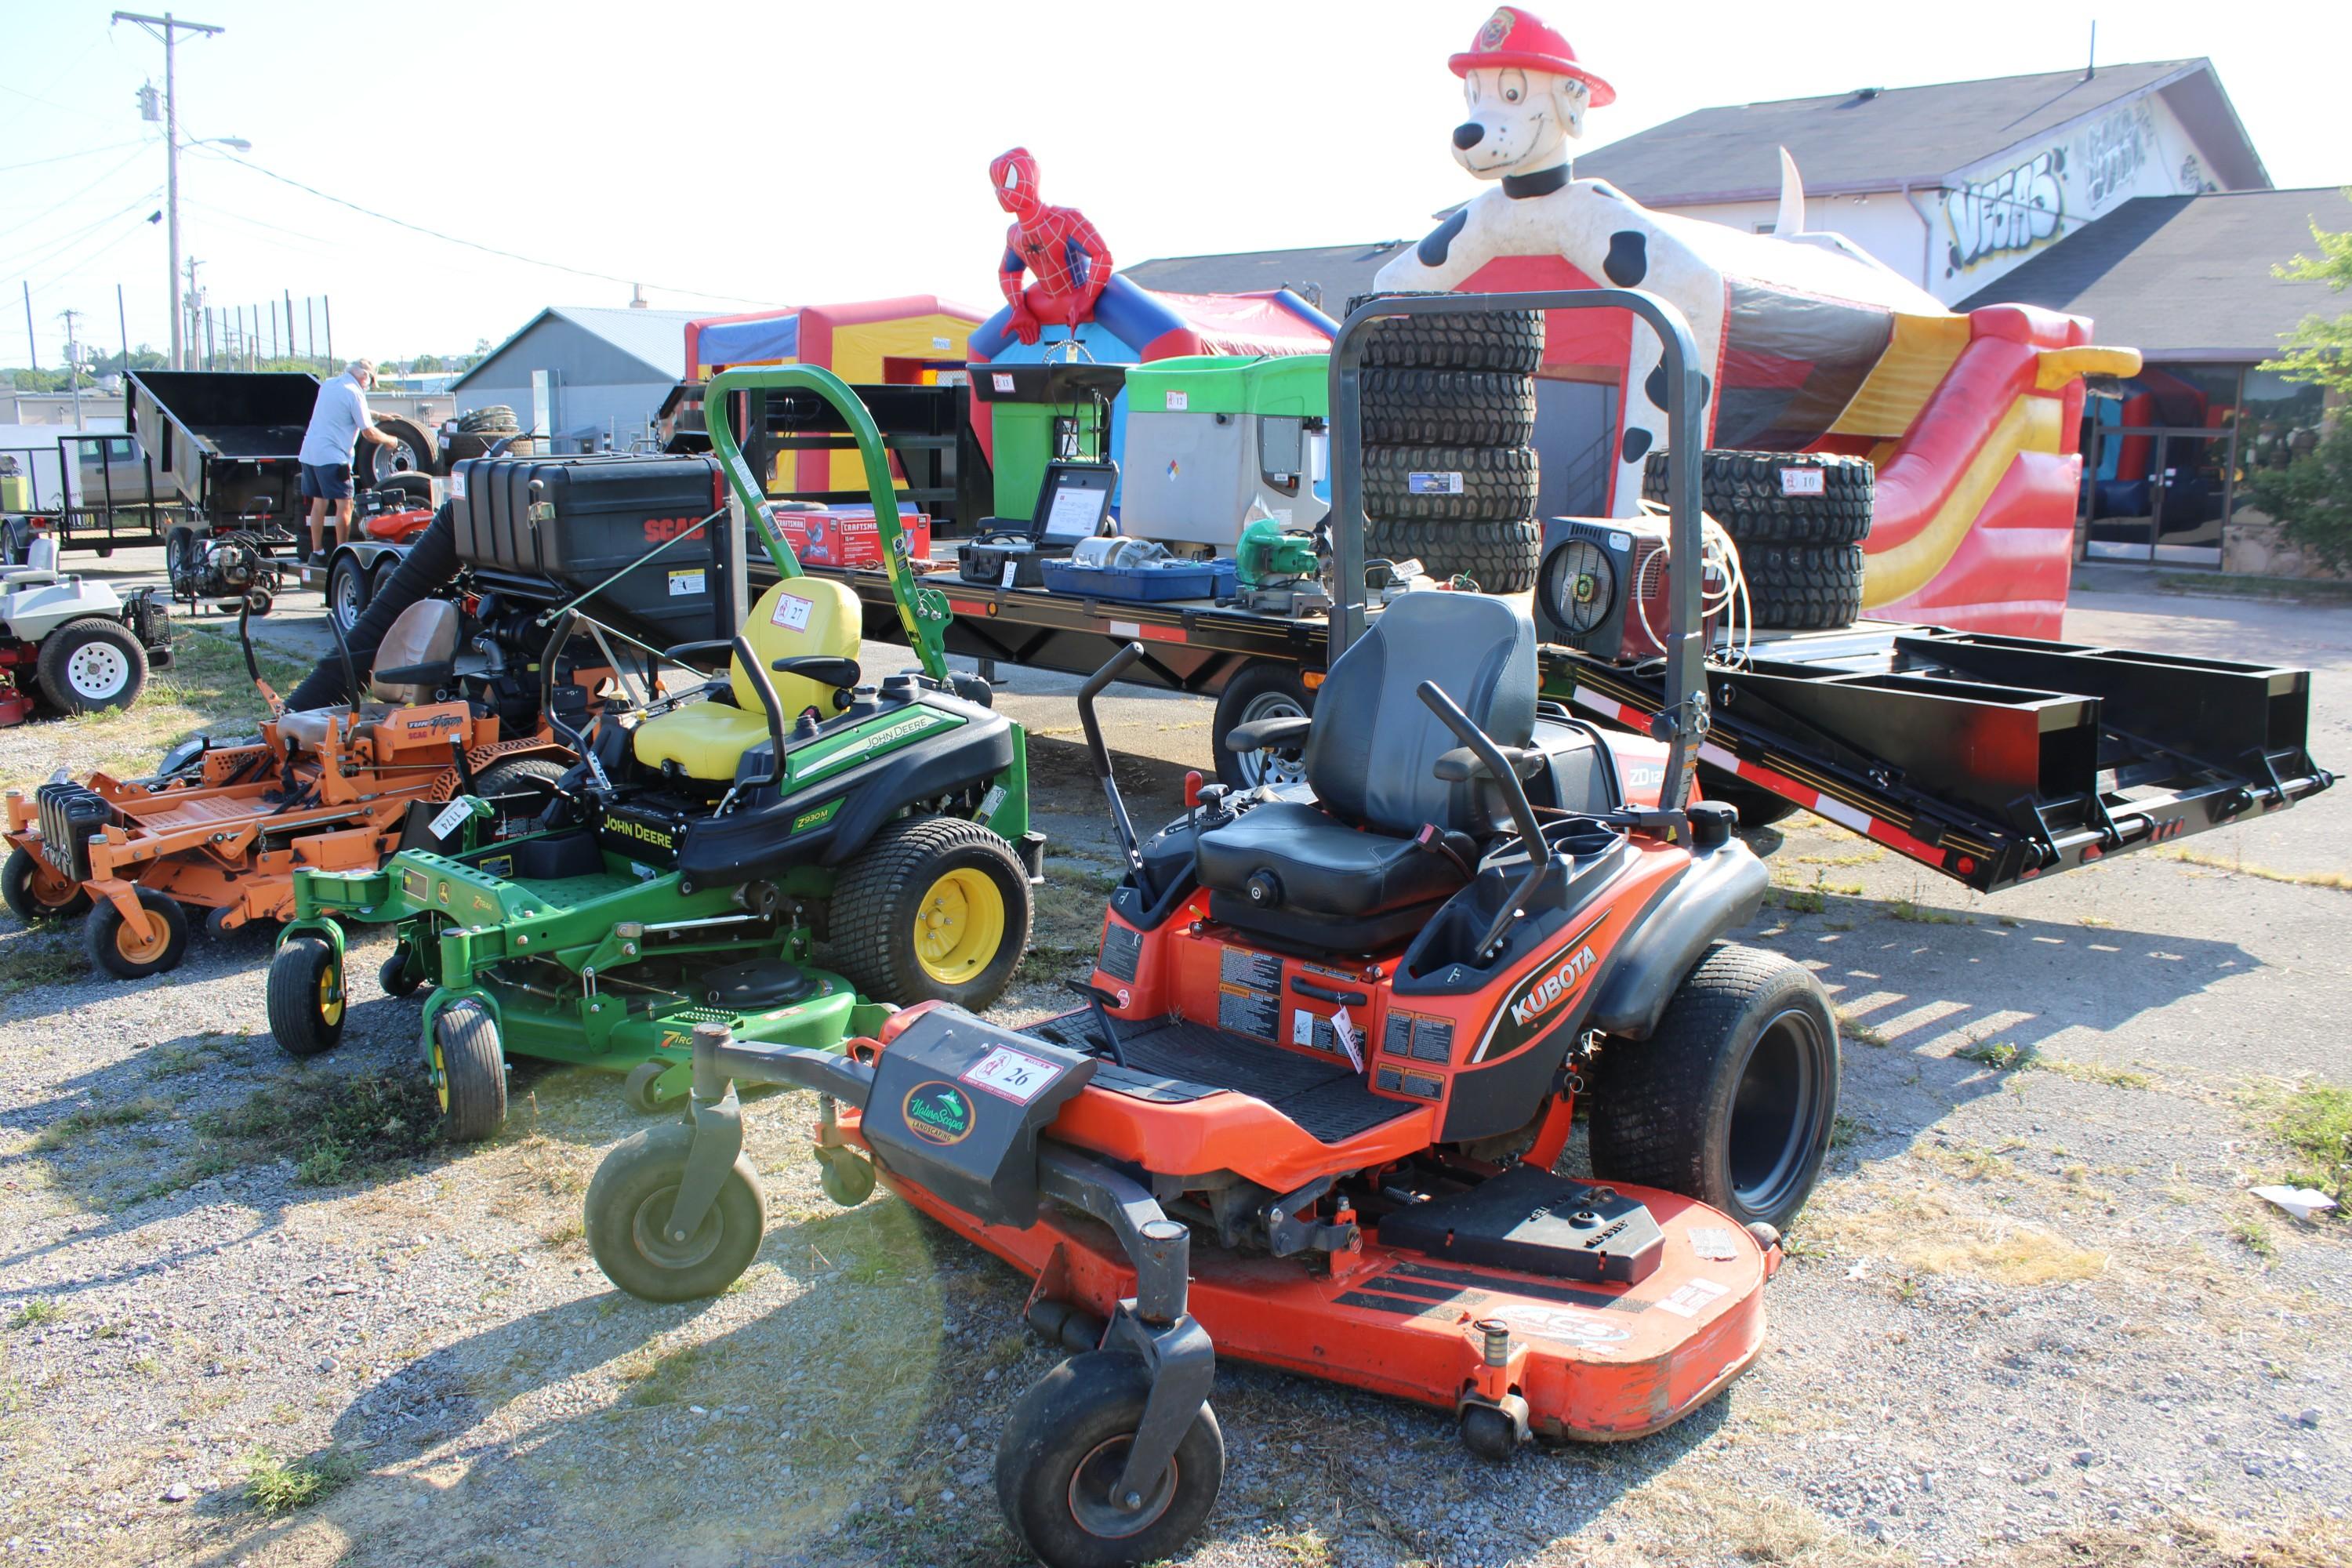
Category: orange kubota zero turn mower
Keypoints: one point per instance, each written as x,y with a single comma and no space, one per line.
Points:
221,829
1335,1033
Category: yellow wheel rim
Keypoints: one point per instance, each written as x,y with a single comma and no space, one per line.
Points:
138,949
440,1075
958,926
331,997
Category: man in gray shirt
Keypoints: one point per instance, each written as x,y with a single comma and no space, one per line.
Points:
338,423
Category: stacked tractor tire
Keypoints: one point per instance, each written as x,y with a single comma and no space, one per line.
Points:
1449,413
1798,519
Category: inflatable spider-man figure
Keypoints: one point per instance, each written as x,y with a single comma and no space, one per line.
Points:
1070,260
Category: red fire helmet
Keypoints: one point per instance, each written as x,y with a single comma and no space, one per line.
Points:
1513,38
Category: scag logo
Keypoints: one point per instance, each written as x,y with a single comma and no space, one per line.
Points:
1556,986
659,530
938,1112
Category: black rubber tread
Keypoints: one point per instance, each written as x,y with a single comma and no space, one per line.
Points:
1449,408
637,1089
16,888
1662,1107
1804,587
473,1068
874,900
346,569
292,997
1500,557
392,976
642,1167
61,644
1742,490
1480,340
1496,482
533,776
1262,678
1756,807
99,936
416,486
1088,1400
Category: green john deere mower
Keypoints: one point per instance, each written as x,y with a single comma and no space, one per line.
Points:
709,838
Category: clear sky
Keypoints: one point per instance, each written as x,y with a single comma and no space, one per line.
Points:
732,155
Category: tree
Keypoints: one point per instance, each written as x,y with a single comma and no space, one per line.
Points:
2311,498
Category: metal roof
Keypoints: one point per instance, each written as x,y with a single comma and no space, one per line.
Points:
1882,139
656,338
2185,278
1325,274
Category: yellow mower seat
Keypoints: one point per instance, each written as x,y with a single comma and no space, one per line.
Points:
797,619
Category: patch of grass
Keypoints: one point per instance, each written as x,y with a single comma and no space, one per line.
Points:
2254,1235
146,1366
2339,881
1916,913
1844,1129
1999,1053
34,963
2186,1540
1862,858
177,1061
33,1313
1854,1028
2003,1057
565,1233
2236,585
339,1126
2316,1122
1308,1549
84,1119
277,1487
664,1379
2097,922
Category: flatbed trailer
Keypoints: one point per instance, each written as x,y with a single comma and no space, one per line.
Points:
1991,759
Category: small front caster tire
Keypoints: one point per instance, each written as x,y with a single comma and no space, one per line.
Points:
126,954
641,1088
629,1204
396,977
1487,1432
469,1072
847,1179
1066,1445
305,997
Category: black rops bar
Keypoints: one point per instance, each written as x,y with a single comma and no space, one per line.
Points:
1682,721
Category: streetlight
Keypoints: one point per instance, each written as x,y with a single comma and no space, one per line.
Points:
168,28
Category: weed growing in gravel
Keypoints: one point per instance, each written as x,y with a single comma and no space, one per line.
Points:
2254,1236
176,1061
277,1487
33,963
1853,1029
1916,913
2316,1122
33,1313
87,1118
2339,881
333,1127
1996,1054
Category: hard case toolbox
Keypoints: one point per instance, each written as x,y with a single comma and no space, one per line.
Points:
1071,505
1142,584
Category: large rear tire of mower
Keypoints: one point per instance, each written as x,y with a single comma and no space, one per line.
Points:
520,787
1449,484
90,664
1066,1441
115,948
1262,690
1448,407
629,1201
1731,1100
305,998
469,1072
1756,807
1510,341
933,909
36,891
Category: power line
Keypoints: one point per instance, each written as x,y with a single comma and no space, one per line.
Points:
51,249
62,157
475,245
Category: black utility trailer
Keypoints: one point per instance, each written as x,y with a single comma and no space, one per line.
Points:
226,445
103,499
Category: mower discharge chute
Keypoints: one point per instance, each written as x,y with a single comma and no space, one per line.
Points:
706,842
1338,1031
223,828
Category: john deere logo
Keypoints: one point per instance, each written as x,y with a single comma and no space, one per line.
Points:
640,830
938,1112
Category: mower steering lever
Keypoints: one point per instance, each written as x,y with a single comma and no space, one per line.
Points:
1523,812
1100,754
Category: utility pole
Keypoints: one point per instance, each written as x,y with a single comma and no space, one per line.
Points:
73,365
189,307
122,326
31,342
168,28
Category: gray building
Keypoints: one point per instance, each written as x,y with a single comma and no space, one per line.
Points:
584,375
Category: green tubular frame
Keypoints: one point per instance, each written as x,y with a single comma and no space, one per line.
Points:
923,613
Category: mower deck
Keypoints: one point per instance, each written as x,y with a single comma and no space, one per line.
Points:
1596,1362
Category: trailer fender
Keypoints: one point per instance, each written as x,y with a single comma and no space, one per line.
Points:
1720,890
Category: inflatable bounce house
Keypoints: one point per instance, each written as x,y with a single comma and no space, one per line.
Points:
1972,421
1077,307
906,341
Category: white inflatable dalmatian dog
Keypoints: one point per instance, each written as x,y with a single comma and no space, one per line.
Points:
1528,97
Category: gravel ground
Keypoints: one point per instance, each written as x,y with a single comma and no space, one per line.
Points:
2030,1316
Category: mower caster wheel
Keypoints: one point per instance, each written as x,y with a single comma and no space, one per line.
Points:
393,976
305,996
115,948
629,1204
638,1089
38,891
1063,1448
469,1072
1487,1432
847,1179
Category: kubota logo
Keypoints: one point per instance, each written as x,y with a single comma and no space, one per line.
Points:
1556,986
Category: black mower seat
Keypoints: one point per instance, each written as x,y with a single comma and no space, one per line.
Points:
1344,874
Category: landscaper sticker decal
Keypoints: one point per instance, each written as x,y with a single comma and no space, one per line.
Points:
938,1112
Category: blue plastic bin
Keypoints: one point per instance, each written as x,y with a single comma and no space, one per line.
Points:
1142,584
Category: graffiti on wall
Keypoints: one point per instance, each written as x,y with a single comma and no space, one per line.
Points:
1996,217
